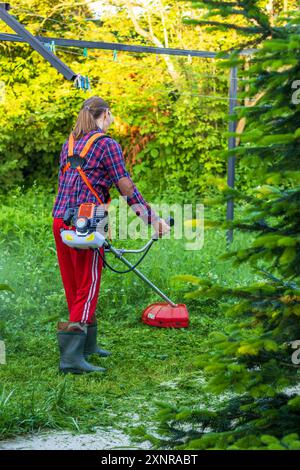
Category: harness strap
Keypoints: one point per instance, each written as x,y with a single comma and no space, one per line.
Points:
71,145
90,142
87,182
70,152
66,167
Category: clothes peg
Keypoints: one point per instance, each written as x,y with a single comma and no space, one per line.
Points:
82,82
87,84
115,57
189,59
52,46
85,52
47,46
77,81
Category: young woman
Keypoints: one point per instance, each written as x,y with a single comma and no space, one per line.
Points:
81,269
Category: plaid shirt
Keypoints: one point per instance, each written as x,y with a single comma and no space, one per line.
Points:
103,165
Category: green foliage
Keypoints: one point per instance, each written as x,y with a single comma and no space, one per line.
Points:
170,122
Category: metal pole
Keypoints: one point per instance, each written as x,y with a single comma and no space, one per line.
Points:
231,145
35,43
141,275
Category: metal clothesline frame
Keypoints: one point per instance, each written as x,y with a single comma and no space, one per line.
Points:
37,43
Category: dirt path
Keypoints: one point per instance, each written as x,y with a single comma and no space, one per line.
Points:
100,440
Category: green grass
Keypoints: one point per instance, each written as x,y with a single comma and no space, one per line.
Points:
148,365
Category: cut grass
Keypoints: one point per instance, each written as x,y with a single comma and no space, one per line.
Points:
147,366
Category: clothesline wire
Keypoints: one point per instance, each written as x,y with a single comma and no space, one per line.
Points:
127,64
66,49
32,13
187,57
63,24
157,91
16,7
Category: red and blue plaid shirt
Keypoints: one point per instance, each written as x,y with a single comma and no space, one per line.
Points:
103,165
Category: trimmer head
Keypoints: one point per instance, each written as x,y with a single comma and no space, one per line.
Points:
164,315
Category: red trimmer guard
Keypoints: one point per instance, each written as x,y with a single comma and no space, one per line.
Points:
166,316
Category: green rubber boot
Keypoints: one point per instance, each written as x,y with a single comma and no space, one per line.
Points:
91,346
71,343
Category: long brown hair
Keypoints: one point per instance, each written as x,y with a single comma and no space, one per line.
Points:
91,110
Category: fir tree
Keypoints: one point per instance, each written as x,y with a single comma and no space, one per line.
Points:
255,361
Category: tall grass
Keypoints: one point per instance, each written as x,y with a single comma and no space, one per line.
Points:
147,365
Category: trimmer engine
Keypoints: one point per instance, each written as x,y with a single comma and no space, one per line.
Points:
91,226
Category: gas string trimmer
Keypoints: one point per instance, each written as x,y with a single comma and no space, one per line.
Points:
89,229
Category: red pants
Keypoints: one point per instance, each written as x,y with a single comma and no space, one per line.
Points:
81,274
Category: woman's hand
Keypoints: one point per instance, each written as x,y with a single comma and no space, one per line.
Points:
161,227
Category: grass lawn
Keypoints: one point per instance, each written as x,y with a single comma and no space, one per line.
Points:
148,365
